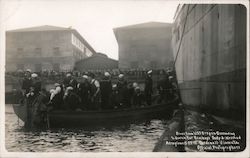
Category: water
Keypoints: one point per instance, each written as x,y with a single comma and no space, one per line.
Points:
139,137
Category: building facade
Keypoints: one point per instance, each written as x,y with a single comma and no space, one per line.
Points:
98,61
45,48
146,45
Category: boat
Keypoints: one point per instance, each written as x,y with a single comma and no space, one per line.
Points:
209,46
76,119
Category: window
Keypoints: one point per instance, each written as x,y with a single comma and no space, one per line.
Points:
56,51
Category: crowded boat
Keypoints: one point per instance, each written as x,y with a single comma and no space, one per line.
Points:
90,91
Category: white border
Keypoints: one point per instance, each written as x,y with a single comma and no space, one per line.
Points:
4,153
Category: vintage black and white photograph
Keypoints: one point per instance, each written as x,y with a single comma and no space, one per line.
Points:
124,76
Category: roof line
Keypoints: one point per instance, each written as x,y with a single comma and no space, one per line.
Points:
133,25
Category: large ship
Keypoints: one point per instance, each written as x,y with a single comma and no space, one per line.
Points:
209,45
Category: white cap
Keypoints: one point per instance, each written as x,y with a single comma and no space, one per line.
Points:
150,71
170,77
85,76
106,74
137,88
34,75
57,84
52,91
114,86
28,70
121,76
135,84
68,74
69,88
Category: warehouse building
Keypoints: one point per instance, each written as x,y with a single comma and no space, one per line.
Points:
146,45
45,48
98,61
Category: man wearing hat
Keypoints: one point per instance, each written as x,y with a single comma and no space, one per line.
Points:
137,97
36,83
70,81
56,97
106,91
84,92
122,91
71,99
94,92
148,87
27,82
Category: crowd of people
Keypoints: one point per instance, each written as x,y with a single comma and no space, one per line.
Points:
95,94
91,93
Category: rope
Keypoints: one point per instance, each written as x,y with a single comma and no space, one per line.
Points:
178,50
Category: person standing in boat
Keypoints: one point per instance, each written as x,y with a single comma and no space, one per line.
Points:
27,82
34,89
106,91
173,87
71,99
56,97
36,83
114,97
148,87
84,92
94,92
122,91
137,97
70,81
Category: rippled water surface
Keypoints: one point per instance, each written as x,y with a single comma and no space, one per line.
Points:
129,138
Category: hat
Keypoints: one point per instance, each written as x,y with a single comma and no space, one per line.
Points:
57,84
150,72
121,76
69,88
114,86
28,70
52,91
137,88
34,75
170,77
106,74
135,84
169,70
85,76
68,74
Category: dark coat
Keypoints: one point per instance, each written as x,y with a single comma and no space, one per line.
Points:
148,85
27,83
72,101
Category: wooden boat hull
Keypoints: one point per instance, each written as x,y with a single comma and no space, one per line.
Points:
109,117
21,111
101,118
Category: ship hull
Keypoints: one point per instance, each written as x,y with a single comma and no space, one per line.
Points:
211,56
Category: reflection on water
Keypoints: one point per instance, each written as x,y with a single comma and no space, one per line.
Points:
133,137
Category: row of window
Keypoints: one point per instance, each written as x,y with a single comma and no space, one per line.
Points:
38,51
76,42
